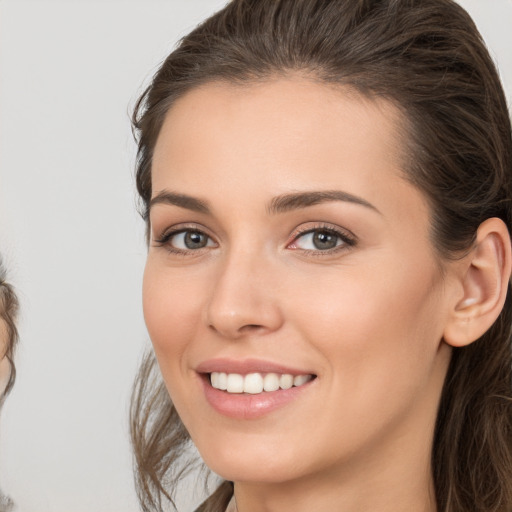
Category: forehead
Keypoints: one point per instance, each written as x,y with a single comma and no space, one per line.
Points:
287,117
277,136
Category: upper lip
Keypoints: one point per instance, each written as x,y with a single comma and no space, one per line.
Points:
245,366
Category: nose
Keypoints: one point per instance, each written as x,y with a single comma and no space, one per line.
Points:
244,299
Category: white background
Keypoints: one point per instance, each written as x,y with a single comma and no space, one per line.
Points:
69,73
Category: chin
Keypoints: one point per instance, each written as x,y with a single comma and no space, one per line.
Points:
260,460
254,471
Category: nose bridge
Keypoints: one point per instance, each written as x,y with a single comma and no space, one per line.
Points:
242,299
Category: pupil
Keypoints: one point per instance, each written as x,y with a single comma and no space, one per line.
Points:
324,240
195,240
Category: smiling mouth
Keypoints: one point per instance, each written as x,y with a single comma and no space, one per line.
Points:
256,383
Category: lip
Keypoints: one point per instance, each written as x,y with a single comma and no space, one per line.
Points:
245,366
244,406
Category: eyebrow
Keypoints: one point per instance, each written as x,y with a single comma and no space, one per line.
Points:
297,200
181,200
279,204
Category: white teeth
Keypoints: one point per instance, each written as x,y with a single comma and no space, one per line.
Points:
255,383
235,383
286,381
271,382
219,380
223,381
301,379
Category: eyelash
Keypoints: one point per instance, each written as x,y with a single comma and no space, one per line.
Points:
347,239
164,239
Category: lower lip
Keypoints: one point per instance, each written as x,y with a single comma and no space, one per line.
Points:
245,406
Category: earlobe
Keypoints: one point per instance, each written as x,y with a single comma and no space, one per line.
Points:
484,280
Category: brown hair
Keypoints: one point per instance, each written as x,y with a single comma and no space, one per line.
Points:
427,58
8,311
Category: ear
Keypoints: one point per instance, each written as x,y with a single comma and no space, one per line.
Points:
484,277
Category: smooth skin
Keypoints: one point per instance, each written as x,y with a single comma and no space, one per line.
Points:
350,289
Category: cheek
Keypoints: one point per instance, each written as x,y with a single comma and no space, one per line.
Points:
171,312
378,335
373,323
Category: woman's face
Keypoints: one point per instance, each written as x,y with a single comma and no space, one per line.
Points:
286,245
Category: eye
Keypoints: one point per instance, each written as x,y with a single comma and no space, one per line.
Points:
184,240
190,240
321,239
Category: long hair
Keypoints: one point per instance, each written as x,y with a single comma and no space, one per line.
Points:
428,59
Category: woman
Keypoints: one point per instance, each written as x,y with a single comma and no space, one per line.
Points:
327,191
8,339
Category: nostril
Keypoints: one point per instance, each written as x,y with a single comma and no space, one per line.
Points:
237,332
250,327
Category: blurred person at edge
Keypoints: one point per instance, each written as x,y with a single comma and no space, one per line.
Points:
8,340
